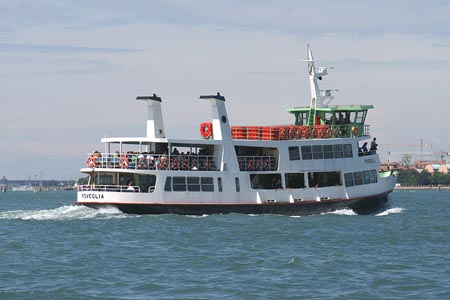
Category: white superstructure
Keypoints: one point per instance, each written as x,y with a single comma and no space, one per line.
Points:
313,165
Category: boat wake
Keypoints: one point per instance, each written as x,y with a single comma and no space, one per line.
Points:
342,212
390,211
70,212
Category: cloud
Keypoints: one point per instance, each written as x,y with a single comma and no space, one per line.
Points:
51,49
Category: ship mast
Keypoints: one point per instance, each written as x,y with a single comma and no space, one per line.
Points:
319,98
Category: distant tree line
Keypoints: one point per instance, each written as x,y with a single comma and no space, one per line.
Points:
413,177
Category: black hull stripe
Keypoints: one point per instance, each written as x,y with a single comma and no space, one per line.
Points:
366,205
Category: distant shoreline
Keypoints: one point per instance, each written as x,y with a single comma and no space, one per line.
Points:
423,187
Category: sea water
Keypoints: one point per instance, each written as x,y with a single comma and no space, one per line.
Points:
52,249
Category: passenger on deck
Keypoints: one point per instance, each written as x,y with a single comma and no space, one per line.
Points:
131,187
364,147
374,145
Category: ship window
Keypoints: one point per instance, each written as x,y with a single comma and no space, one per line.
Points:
348,150
179,184
295,180
327,151
104,179
306,152
207,184
348,177
146,183
317,152
366,177
358,178
219,184
302,118
168,184
236,182
265,181
294,154
324,179
337,149
373,176
193,184
360,117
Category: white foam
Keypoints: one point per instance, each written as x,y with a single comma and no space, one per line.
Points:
395,210
197,216
63,213
342,212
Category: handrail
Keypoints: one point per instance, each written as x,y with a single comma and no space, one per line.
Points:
108,188
257,163
299,132
146,161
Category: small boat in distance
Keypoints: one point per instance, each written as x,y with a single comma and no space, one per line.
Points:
314,165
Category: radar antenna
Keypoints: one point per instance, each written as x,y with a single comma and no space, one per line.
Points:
319,98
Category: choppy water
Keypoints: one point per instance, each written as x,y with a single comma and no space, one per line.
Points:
51,249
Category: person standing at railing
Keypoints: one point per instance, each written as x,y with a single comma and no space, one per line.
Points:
131,187
374,146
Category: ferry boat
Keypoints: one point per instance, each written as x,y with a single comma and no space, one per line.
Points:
314,165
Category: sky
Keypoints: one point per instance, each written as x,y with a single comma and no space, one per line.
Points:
70,71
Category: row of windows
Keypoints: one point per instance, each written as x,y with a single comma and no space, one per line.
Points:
321,152
295,180
273,181
191,184
360,178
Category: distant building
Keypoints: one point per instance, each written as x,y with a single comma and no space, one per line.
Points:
437,168
4,181
444,168
3,184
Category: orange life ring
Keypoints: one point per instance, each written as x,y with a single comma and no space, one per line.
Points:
355,131
206,130
336,132
143,163
284,133
315,133
174,165
91,161
123,162
185,164
329,133
299,133
307,132
292,133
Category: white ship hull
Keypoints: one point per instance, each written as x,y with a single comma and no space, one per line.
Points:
312,166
